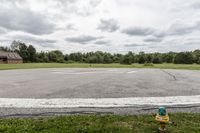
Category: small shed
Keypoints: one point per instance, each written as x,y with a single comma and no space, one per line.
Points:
10,58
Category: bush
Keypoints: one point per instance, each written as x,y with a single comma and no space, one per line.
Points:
198,62
70,61
148,64
126,60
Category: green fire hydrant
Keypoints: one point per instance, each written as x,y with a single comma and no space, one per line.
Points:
163,118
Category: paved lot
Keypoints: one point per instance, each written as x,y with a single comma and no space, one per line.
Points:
97,83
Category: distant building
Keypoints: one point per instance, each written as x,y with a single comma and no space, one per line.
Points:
10,58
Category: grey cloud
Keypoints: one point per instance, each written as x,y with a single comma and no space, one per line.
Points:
100,42
71,27
76,7
3,2
2,30
66,1
109,25
49,45
178,29
35,40
6,41
160,34
83,39
95,3
153,40
139,31
152,47
191,41
19,19
134,45
195,5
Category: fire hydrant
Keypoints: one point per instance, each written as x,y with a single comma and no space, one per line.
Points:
163,118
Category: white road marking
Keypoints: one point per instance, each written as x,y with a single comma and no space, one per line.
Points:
97,102
87,72
113,70
132,72
73,73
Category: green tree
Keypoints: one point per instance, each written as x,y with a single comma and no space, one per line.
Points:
107,58
32,53
183,58
21,49
141,58
196,55
169,57
117,58
148,58
126,59
157,58
93,59
56,56
6,49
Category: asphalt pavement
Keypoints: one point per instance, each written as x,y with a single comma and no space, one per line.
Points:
96,83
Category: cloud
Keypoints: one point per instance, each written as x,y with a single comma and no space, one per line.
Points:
14,18
71,27
195,5
138,31
2,30
134,45
82,39
100,42
152,23
66,1
153,39
109,25
178,29
35,40
82,8
95,3
175,29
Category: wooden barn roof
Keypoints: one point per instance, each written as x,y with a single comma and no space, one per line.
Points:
10,55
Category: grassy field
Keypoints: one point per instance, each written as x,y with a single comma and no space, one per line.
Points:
79,65
183,123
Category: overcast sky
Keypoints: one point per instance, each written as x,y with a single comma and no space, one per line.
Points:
107,25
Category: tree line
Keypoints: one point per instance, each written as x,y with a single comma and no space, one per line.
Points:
29,54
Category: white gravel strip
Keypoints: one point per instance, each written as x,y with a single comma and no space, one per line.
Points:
97,102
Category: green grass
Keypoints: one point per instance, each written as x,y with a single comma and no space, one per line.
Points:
183,123
83,65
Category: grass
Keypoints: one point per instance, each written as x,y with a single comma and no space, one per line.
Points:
183,123
83,65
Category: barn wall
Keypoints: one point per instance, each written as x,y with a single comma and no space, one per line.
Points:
14,61
2,61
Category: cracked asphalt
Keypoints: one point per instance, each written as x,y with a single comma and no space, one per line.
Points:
96,83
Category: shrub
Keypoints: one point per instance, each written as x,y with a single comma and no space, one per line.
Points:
148,64
70,61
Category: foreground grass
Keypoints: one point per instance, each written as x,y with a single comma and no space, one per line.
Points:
183,123
83,65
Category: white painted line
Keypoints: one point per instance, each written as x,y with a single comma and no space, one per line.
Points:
132,72
73,73
79,73
113,70
98,102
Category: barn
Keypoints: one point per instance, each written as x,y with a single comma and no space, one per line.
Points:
10,58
